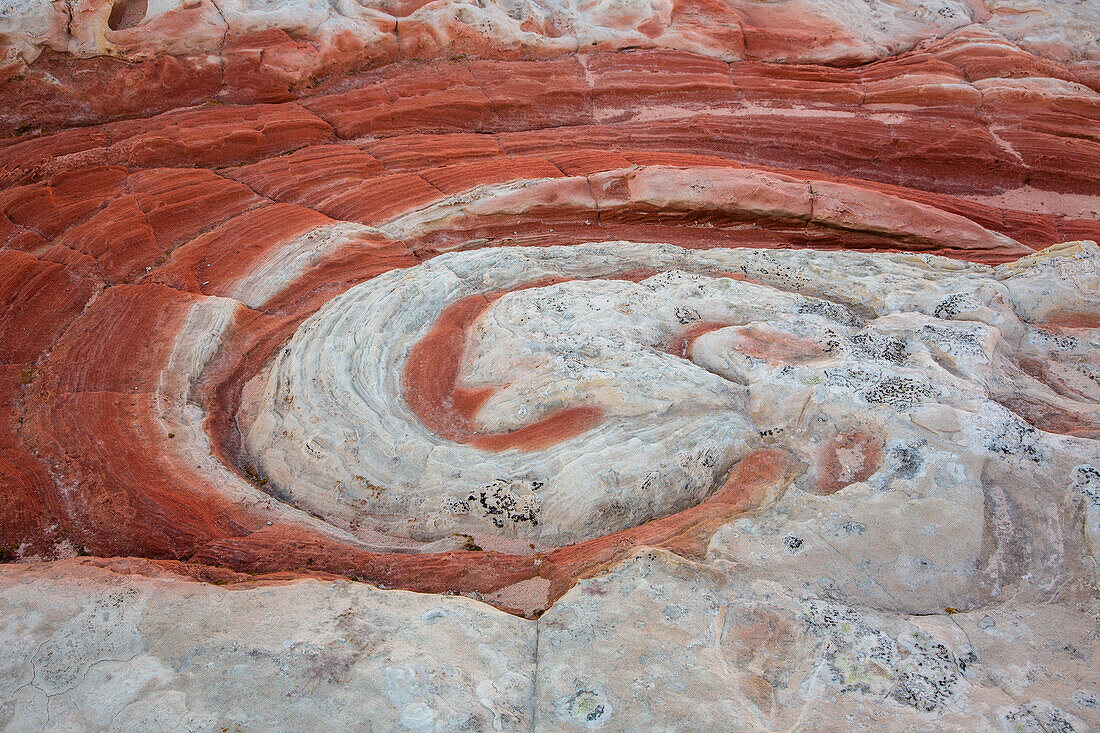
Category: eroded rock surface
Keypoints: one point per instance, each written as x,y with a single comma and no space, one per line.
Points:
619,366
565,411
90,648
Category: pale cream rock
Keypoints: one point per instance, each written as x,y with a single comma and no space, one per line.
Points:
26,27
1066,30
180,415
954,587
664,644
285,264
742,192
916,353
93,650
848,31
1059,279
656,643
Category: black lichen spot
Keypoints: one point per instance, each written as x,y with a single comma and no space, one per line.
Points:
686,315
1057,340
587,706
1017,438
907,461
833,311
885,348
1086,699
1087,484
1057,722
1072,651
953,305
708,458
506,501
898,392
830,340
927,692
1030,717
955,340
967,660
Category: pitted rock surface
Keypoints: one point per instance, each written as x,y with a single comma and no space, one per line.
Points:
641,365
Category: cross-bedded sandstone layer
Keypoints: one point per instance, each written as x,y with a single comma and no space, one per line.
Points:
717,335
576,419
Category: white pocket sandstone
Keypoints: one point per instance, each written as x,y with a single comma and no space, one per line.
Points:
690,359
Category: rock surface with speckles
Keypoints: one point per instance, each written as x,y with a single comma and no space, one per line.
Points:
541,366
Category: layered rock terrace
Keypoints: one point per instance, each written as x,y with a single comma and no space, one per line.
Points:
755,343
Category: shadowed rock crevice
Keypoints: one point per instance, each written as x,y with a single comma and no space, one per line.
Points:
126,14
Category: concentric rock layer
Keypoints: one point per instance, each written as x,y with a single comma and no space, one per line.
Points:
751,349
679,373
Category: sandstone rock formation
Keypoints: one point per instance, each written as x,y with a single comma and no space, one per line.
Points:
538,366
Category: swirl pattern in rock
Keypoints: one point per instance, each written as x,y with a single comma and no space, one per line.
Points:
565,393
743,355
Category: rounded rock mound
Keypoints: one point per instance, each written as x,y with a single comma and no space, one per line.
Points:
550,395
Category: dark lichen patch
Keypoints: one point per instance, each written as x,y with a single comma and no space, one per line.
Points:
830,341
900,393
1087,484
929,685
1014,437
878,346
1086,699
686,315
505,502
851,527
966,662
849,378
955,304
832,311
587,707
1034,717
706,456
907,460
458,506
1087,481
914,669
952,340
1056,341
254,476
